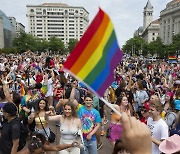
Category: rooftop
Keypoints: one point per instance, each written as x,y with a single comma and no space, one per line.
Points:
54,4
155,21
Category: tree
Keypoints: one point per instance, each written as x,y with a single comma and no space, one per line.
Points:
176,42
157,47
41,45
72,43
134,45
24,42
55,44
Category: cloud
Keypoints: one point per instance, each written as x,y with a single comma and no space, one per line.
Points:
127,15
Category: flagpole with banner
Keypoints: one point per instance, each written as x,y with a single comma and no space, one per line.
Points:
95,57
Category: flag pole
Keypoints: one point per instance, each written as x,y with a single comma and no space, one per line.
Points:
110,105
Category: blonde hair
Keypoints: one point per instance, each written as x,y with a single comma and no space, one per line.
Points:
157,104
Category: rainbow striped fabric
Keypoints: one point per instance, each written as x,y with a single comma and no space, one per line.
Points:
96,55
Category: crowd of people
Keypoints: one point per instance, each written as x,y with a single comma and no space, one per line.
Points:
35,90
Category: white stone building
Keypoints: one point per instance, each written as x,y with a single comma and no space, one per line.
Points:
170,21
147,15
150,27
1,33
152,31
57,19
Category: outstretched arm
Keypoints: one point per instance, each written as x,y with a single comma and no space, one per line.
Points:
59,147
53,118
6,89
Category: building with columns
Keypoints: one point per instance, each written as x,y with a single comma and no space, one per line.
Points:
170,21
1,33
57,19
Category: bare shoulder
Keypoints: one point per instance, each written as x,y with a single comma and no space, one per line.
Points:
115,106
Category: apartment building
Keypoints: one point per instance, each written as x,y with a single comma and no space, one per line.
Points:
57,19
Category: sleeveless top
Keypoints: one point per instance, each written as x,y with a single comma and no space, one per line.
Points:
43,120
68,134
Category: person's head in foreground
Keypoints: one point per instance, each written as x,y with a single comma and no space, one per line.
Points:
36,143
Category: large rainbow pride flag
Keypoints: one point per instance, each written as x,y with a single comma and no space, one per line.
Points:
95,57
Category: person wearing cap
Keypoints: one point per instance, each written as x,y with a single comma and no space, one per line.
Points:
145,112
157,126
170,145
11,130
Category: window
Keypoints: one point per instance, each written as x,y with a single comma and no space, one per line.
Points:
44,12
38,13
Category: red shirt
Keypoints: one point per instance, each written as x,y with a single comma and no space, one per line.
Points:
143,120
52,63
59,93
39,78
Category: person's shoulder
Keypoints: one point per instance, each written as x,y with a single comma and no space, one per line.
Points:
77,120
163,123
80,107
149,120
95,111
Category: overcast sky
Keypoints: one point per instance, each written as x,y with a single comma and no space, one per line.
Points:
127,15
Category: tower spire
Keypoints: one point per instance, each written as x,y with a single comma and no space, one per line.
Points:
148,15
148,5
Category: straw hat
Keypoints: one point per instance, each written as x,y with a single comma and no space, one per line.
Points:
170,145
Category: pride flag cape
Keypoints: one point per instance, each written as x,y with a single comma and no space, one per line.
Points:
22,91
96,55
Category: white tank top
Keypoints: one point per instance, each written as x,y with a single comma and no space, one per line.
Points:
68,134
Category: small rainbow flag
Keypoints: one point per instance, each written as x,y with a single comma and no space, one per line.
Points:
172,58
94,58
22,91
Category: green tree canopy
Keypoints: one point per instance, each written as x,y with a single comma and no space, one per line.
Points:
55,44
72,43
24,42
157,47
135,45
176,42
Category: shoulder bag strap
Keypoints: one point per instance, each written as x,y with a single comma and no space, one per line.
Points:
42,125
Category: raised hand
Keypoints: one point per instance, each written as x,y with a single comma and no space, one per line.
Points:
136,135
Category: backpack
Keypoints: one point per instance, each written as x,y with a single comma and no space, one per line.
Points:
167,118
23,136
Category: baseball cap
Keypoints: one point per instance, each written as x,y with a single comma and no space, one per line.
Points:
146,106
10,108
